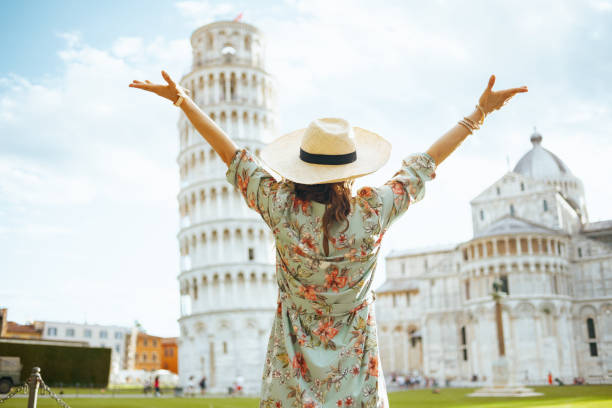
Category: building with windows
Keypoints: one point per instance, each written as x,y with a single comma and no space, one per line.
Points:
145,350
226,272
95,335
169,358
531,231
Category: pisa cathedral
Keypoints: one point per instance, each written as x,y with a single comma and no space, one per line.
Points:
227,285
435,313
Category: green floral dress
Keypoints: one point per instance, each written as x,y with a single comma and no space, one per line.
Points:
323,350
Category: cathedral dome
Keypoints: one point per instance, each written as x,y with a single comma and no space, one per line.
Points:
544,166
540,163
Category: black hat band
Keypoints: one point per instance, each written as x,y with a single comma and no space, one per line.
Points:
328,158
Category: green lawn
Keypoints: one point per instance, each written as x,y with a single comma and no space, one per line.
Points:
554,397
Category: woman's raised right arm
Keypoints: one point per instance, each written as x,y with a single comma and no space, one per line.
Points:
489,101
214,135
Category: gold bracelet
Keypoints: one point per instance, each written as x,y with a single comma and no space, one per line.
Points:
179,101
462,123
469,123
473,124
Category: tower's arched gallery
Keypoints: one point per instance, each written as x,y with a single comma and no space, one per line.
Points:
531,231
227,286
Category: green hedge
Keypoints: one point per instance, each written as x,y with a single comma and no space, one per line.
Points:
62,364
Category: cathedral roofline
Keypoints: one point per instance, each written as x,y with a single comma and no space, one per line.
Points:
597,226
398,253
480,199
510,224
397,285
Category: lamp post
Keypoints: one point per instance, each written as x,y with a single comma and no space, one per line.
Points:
503,385
497,296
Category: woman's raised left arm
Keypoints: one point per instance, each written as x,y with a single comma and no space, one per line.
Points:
489,101
214,135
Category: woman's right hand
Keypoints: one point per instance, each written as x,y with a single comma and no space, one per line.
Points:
493,100
170,91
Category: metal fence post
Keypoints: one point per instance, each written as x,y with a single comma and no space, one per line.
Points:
34,382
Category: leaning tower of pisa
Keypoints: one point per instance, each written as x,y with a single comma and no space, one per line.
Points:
227,289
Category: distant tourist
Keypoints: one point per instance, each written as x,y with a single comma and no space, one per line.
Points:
156,385
191,387
203,385
239,384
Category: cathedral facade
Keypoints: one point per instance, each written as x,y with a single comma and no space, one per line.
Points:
227,286
531,232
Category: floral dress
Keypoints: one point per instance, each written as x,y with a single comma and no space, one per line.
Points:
323,351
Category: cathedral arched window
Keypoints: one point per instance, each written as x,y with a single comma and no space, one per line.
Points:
545,205
579,252
522,186
251,254
464,344
590,323
481,215
498,191
512,209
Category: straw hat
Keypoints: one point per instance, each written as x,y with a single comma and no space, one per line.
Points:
327,151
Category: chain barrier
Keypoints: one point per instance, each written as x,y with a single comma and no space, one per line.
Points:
14,391
35,381
53,395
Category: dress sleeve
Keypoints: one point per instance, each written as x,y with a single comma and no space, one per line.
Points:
257,186
405,187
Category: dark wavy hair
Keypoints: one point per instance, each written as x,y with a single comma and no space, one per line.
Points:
336,196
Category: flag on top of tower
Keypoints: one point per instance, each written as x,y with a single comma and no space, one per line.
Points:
238,17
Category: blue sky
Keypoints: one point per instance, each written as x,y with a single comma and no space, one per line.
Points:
88,177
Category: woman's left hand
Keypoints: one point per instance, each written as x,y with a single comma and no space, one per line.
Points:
170,91
491,100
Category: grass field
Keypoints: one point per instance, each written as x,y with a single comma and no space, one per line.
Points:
554,397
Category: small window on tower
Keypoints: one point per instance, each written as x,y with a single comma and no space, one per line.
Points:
522,186
511,209
579,252
545,205
224,347
481,215
498,191
251,254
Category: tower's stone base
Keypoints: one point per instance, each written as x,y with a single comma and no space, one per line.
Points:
502,384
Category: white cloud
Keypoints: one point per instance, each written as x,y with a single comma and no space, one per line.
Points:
204,12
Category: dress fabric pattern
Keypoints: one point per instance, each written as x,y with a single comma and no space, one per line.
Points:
323,351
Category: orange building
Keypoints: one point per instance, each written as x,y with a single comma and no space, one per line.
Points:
14,330
148,353
170,354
